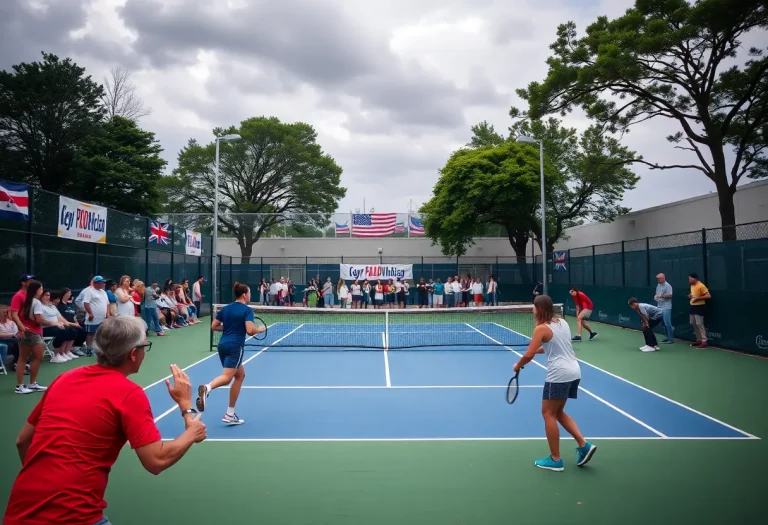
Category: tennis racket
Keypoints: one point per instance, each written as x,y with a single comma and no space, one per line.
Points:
513,388
259,322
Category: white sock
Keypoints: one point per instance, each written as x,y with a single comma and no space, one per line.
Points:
208,389
230,411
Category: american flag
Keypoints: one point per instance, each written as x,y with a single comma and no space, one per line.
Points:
373,224
416,226
399,227
158,232
342,228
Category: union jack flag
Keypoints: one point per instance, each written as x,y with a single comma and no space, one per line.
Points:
559,260
416,226
158,232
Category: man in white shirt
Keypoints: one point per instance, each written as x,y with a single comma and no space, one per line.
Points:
197,294
96,305
274,290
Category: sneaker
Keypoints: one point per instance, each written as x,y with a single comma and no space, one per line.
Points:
592,335
78,352
66,358
576,338
648,349
550,464
667,342
585,453
58,359
232,420
202,397
37,388
71,355
22,389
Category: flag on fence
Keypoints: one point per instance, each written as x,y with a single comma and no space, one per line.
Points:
342,228
415,226
373,224
14,201
400,227
559,260
158,232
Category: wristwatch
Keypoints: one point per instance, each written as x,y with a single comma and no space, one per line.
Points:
188,411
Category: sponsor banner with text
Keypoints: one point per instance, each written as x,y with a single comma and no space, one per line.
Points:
373,272
81,221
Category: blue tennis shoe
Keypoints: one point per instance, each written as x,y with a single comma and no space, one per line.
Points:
550,464
585,453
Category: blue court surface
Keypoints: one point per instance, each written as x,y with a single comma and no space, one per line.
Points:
448,393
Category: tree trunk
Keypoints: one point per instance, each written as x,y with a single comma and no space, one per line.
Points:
727,212
246,250
519,243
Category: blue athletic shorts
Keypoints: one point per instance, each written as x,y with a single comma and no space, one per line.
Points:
231,357
567,390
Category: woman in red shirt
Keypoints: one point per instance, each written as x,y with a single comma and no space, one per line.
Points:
583,310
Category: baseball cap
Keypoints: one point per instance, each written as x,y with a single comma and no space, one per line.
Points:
26,277
99,279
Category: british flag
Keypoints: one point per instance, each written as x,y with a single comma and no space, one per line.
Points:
158,232
373,224
559,260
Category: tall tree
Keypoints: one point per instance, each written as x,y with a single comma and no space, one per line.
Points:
119,165
47,108
594,176
120,98
674,61
489,185
276,169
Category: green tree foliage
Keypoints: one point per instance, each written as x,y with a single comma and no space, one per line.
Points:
671,60
277,168
47,109
486,186
119,165
593,178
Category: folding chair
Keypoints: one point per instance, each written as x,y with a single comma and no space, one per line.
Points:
2,362
48,347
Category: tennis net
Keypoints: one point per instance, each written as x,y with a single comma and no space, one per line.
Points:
318,329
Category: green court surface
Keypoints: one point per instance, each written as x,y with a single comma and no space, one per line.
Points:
456,482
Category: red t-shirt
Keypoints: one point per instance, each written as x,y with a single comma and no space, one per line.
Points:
136,297
17,305
81,423
582,301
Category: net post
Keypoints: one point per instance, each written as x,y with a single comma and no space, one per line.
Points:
386,331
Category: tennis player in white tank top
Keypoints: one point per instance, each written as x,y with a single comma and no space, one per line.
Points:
552,337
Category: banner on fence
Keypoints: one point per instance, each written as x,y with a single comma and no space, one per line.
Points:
194,244
81,221
372,272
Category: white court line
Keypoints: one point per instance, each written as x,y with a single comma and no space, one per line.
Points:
175,406
606,403
665,398
375,387
378,440
386,360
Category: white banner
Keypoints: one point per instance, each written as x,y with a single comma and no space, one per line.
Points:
81,221
194,244
373,272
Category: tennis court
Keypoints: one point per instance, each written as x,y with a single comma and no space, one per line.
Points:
440,445
327,376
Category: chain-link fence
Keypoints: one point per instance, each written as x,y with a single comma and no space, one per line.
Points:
35,247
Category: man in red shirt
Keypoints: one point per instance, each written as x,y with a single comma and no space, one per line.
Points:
583,310
75,434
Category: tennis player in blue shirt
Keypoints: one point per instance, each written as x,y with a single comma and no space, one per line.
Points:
235,320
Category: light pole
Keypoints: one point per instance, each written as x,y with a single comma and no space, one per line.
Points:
528,140
215,254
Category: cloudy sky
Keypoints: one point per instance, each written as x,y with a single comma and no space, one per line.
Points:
392,87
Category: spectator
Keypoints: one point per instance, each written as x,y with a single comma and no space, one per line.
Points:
63,338
197,294
26,311
74,435
663,299
538,290
698,296
151,316
96,305
123,294
110,288
422,290
69,312
438,294
476,287
491,291
8,341
328,293
449,292
650,316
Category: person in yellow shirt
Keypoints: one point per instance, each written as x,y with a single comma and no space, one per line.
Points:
698,296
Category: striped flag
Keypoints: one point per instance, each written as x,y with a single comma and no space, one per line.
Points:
342,228
415,226
373,224
400,227
14,201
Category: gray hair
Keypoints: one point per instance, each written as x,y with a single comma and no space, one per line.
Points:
115,339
